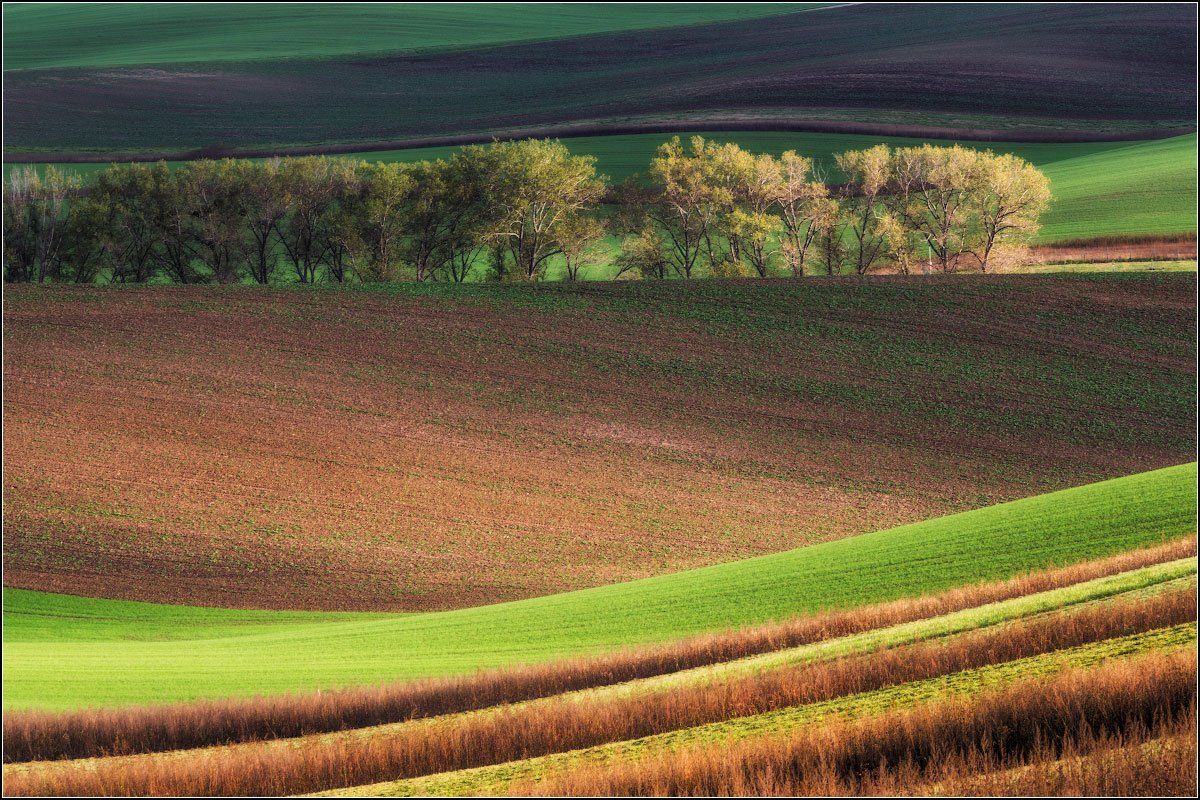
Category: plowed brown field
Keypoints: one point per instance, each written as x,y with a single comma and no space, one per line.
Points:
434,447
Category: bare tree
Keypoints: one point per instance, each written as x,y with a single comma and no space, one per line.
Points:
800,197
380,209
35,221
312,186
830,240
579,240
265,205
216,197
645,254
682,202
448,218
535,188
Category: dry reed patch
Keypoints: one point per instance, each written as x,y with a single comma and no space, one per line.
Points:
1131,765
1118,248
1030,721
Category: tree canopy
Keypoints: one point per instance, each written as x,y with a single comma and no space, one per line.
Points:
509,211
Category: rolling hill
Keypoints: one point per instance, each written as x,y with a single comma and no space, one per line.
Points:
184,653
879,535
1060,70
419,447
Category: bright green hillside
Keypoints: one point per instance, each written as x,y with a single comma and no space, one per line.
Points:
1140,187
1100,188
46,35
62,651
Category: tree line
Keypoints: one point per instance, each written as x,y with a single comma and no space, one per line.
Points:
509,211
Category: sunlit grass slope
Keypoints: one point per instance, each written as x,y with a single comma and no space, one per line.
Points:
46,35
97,658
1141,187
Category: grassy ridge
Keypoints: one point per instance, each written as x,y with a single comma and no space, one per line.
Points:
40,36
622,155
1147,187
1114,266
1143,573
96,667
1100,188
543,727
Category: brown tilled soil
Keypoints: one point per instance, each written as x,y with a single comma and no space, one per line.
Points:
287,448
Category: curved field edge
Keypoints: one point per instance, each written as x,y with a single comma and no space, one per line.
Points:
1140,583
94,665
498,779
1032,721
271,768
1100,189
41,36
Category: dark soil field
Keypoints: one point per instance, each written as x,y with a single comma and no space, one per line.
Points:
429,447
1064,69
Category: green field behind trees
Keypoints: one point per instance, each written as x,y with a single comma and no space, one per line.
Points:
64,652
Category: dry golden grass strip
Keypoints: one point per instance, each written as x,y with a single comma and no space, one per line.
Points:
1131,765
560,724
896,752
32,736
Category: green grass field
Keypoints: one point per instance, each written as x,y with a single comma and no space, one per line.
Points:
1100,188
1142,187
230,491
1142,583
115,653
622,156
46,35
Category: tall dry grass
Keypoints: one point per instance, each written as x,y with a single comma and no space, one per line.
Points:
560,724
1122,238
1159,763
898,752
33,736
1117,248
